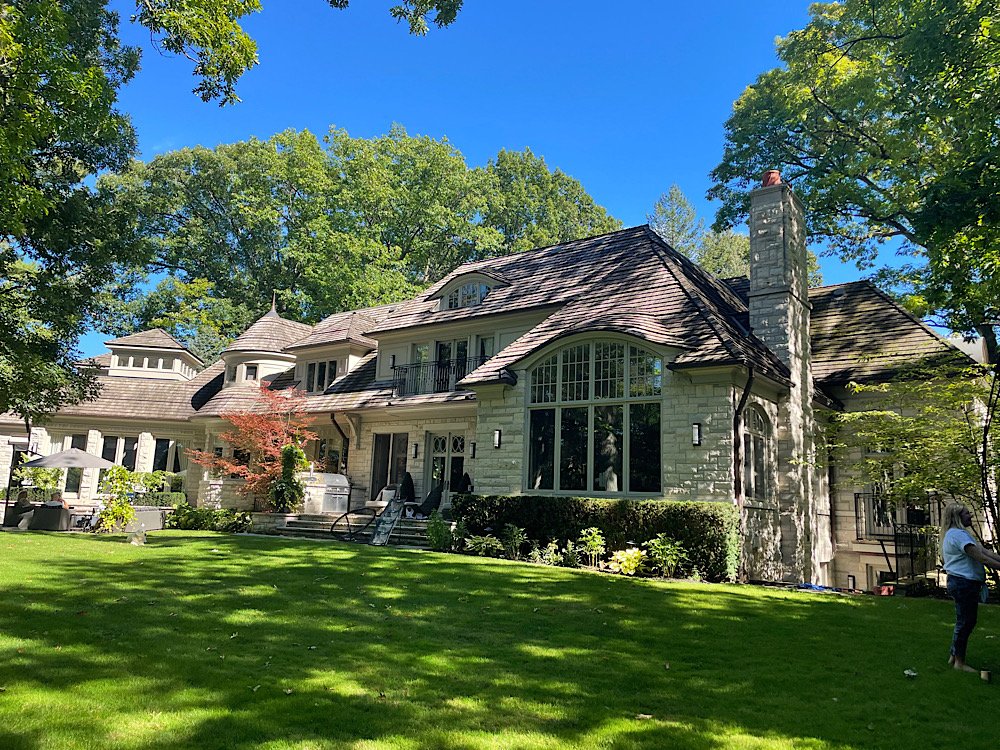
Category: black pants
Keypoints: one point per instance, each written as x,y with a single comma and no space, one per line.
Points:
966,596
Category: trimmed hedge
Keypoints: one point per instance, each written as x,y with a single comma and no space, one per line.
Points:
709,531
189,518
162,499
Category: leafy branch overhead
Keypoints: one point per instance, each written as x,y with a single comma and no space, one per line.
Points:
210,35
885,119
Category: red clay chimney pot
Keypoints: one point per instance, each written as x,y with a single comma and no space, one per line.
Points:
771,177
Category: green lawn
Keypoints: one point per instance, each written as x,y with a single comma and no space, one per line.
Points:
210,641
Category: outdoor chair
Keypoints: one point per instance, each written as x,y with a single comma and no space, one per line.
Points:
430,504
49,519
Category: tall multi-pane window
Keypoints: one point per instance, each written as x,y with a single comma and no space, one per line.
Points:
756,444
594,420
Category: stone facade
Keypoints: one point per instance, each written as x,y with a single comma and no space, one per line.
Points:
779,316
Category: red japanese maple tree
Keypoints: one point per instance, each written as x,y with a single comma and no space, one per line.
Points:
257,436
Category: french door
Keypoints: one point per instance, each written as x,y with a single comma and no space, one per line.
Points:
388,461
446,468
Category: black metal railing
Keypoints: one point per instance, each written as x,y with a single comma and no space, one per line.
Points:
432,377
876,517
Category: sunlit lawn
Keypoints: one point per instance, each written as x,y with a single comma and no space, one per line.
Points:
209,641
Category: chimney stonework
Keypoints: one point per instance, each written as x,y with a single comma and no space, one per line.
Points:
779,316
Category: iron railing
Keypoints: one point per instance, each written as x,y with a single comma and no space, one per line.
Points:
876,517
432,377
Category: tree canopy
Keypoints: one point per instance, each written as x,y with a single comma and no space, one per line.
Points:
60,67
723,253
885,118
332,225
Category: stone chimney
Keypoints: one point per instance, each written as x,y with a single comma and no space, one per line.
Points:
779,316
779,277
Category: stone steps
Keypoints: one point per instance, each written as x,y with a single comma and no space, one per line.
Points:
409,532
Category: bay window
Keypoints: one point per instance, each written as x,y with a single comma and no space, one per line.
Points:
594,420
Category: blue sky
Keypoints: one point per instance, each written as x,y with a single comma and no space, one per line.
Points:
628,97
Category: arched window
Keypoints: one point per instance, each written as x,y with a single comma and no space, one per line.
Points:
756,455
468,295
594,420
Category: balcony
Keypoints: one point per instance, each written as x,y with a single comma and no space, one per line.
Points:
877,518
432,377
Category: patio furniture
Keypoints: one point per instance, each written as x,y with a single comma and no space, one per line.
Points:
48,518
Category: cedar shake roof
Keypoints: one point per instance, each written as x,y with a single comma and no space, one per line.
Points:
147,398
155,338
859,333
271,333
605,283
346,327
244,396
100,361
355,390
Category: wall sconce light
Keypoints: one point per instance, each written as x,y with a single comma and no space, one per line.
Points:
416,449
497,435
472,450
392,360
696,433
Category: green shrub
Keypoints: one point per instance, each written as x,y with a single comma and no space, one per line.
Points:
46,480
513,538
438,533
484,546
288,492
570,556
628,562
592,545
163,499
119,485
550,554
708,532
189,518
35,494
665,554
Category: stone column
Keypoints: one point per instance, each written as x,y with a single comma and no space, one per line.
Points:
779,316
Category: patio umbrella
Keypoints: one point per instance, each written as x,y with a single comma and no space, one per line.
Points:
72,458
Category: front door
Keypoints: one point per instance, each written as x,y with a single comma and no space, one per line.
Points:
446,469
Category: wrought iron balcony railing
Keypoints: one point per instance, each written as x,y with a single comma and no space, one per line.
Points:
432,377
876,517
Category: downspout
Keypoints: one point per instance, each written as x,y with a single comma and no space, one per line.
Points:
738,442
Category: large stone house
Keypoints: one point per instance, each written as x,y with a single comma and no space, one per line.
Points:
605,367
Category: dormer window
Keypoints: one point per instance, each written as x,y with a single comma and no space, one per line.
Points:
468,295
319,375
251,373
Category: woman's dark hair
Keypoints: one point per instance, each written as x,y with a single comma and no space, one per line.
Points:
406,491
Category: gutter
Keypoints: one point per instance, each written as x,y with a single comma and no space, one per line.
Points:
737,442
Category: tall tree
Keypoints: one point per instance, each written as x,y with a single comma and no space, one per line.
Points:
60,67
533,206
333,226
677,222
885,118
724,254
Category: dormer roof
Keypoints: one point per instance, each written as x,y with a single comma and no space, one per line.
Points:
345,327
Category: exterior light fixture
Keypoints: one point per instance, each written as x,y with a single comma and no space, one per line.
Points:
416,449
392,360
696,433
497,435
472,450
